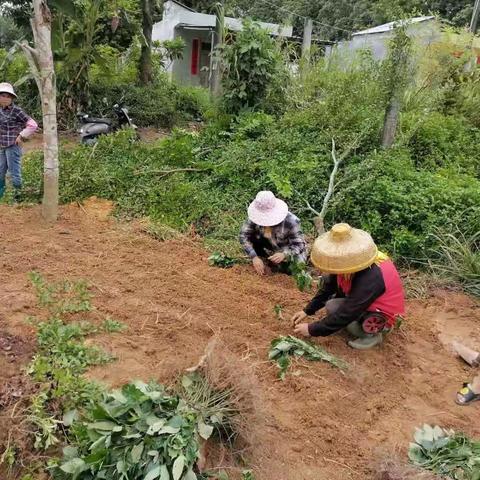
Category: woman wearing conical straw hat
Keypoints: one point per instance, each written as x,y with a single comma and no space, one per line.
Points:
362,291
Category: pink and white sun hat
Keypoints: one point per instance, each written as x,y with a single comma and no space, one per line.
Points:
267,210
7,88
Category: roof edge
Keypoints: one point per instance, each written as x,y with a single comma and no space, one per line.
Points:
387,27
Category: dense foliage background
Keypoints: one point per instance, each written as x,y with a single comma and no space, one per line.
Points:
273,126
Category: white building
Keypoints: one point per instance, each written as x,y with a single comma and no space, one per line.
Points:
424,30
197,30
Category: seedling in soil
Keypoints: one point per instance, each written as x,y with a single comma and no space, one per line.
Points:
278,309
112,326
62,297
301,275
282,348
221,260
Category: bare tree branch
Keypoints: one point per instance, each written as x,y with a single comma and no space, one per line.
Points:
331,183
319,220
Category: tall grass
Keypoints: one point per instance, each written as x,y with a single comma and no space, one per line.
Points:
459,259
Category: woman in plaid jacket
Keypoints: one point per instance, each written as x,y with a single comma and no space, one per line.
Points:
15,127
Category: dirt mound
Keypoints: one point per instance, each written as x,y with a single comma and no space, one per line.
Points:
97,208
321,424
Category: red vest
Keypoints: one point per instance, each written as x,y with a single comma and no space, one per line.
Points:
392,302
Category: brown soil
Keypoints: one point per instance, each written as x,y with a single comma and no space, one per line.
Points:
321,424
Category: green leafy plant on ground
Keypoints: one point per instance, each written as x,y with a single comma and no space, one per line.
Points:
278,310
301,275
221,260
139,432
248,475
61,359
146,431
283,348
446,453
62,297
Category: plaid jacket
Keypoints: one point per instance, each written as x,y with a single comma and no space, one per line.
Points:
286,237
13,121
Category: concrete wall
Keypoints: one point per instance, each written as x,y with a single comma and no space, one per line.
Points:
175,17
424,34
181,71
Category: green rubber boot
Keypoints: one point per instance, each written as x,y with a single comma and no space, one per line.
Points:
366,343
355,329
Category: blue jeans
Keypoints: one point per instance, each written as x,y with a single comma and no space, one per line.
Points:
10,159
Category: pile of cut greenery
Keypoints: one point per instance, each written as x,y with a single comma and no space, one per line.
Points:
282,348
146,431
139,432
445,452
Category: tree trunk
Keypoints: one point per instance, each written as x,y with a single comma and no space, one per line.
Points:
40,60
146,69
475,17
391,122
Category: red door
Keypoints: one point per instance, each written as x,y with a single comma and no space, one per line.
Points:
196,44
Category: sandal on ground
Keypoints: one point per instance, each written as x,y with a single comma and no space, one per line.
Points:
466,395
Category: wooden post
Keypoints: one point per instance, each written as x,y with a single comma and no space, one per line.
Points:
40,60
307,38
475,17
216,77
390,123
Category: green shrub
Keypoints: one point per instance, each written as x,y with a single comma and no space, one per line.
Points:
149,106
193,102
438,141
160,105
206,180
402,206
183,182
254,67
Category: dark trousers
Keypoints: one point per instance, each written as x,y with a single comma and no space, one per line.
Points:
264,249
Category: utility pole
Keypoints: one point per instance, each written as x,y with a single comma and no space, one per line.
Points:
475,17
307,38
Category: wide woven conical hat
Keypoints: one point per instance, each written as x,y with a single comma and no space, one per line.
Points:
343,250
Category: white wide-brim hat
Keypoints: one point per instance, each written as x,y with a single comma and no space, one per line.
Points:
7,88
267,210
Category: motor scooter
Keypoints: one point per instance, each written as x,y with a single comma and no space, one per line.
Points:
92,127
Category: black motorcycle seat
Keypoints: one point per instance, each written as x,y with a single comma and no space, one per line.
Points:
98,120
